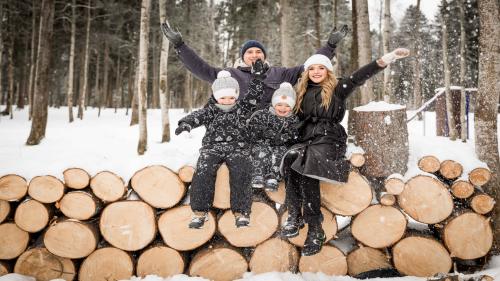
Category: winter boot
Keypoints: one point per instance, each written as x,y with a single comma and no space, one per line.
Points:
258,182
271,184
198,220
292,226
314,241
241,220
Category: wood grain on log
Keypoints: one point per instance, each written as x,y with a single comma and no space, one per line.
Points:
468,236
450,169
279,195
462,189
4,268
394,186
158,186
32,216
379,226
12,187
274,254
347,199
44,266
46,189
429,164
4,210
329,225
387,199
218,264
71,238
13,241
222,188
128,225
357,160
329,260
107,186
263,223
364,259
161,261
76,178
186,173
482,203
173,227
79,205
106,264
426,200
479,176
421,256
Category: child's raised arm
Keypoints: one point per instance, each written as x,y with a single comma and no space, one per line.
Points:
256,86
200,117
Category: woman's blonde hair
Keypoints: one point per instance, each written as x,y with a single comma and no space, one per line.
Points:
327,87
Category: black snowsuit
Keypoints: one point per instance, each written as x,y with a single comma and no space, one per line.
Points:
320,155
225,141
242,73
271,135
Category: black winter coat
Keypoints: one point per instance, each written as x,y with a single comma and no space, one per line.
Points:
322,144
275,75
227,127
265,127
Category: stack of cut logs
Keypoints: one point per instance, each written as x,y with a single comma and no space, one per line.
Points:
102,228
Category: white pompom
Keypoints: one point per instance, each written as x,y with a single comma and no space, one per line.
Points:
286,85
223,74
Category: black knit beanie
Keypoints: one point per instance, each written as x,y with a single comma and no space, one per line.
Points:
252,43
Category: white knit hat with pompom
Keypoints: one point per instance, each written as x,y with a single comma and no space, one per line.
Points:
285,94
225,85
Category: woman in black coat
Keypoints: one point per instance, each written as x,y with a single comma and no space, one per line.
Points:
320,155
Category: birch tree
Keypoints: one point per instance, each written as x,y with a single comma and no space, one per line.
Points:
71,68
83,91
417,86
164,97
142,85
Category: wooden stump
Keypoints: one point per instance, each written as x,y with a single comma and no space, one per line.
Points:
279,195
429,164
462,189
468,236
364,259
263,224
357,160
186,173
222,188
44,266
71,239
79,205
329,260
379,226
107,186
329,225
383,135
4,268
46,189
128,225
76,178
347,199
394,185
420,256
13,241
32,216
158,186
218,264
426,200
161,261
173,227
4,210
274,254
106,264
479,176
387,199
12,187
450,169
482,203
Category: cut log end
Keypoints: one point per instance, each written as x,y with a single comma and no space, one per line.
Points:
32,216
429,164
221,264
329,260
482,203
13,241
186,173
462,189
387,200
161,261
46,189
79,205
12,187
107,264
479,176
4,210
71,239
43,265
4,268
366,259
357,160
450,169
76,178
394,186
107,186
274,255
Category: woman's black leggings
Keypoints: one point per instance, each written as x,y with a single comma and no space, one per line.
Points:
302,192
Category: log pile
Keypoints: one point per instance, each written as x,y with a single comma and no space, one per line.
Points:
84,228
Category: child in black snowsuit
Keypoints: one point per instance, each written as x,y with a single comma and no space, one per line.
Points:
272,132
224,141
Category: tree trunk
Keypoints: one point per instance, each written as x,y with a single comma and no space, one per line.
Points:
337,67
463,120
134,119
71,69
286,33
40,105
164,96
155,97
97,94
417,81
31,83
447,74
364,47
105,97
142,85
1,55
83,92
116,96
317,24
10,73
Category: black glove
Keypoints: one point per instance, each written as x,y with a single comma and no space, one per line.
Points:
337,36
174,37
259,69
182,127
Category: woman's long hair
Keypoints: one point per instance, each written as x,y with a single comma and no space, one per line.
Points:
327,87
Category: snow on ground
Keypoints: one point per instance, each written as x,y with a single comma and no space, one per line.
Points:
109,143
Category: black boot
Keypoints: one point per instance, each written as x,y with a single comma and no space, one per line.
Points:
292,226
258,182
314,241
271,184
241,220
198,220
